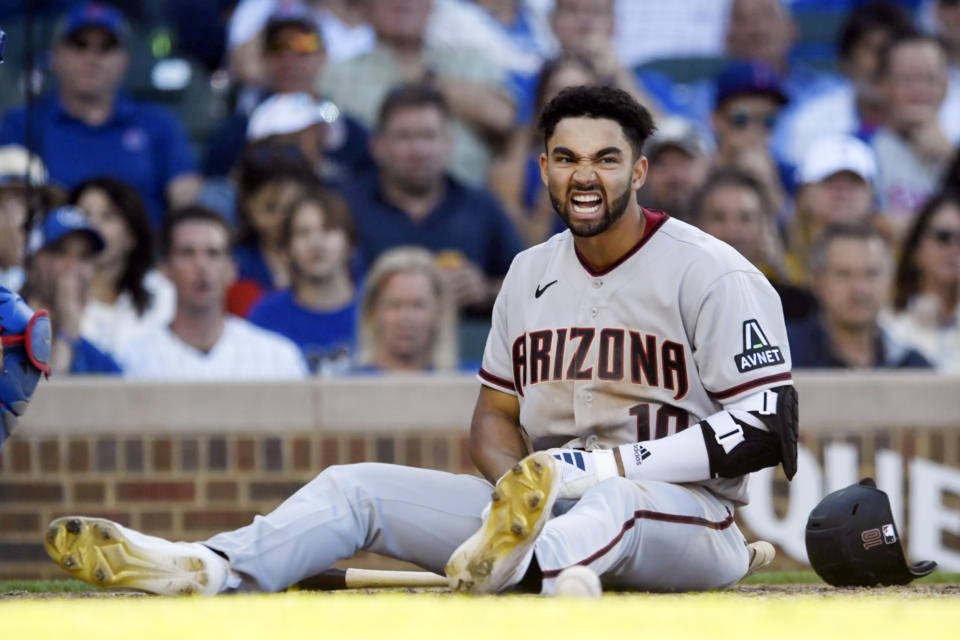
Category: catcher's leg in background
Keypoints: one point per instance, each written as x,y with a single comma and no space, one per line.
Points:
417,515
651,536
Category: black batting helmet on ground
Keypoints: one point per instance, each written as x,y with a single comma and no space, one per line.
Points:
852,540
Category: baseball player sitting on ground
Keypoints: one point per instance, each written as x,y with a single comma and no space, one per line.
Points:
642,361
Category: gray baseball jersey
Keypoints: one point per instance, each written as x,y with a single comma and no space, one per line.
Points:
651,345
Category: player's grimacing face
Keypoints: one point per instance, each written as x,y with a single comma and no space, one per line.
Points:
590,173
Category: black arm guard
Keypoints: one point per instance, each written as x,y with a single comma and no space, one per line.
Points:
757,449
786,424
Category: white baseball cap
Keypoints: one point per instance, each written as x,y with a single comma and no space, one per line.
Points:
287,113
832,154
18,165
679,132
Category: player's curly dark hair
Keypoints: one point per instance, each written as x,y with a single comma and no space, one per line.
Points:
599,102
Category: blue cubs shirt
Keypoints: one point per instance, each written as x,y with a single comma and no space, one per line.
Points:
140,144
327,338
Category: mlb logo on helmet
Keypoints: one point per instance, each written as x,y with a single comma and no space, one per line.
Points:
889,534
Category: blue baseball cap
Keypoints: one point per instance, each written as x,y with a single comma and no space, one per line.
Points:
742,77
94,14
59,223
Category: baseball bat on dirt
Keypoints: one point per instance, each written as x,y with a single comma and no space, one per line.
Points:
333,579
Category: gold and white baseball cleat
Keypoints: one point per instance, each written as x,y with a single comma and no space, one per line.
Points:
106,554
491,559
761,553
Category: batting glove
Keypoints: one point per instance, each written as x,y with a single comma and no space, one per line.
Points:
583,469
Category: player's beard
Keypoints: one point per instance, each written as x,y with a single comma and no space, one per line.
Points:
613,211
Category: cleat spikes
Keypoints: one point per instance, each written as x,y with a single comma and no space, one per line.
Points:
495,557
73,526
483,567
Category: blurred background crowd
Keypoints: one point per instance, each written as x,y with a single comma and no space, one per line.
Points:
276,189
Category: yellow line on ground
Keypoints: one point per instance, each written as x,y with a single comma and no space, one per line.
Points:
453,617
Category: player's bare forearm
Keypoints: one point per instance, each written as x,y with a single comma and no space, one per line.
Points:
184,189
496,439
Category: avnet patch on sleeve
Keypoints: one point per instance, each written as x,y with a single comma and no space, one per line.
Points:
757,350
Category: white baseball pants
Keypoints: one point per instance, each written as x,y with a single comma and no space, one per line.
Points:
650,536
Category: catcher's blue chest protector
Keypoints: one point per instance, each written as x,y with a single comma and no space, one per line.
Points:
25,336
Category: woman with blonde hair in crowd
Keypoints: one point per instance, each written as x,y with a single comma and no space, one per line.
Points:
408,320
926,301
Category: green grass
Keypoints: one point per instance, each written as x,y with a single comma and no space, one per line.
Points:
46,586
764,577
809,577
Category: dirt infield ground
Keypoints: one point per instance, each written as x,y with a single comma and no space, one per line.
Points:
782,591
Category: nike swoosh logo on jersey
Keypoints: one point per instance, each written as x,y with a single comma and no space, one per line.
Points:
540,291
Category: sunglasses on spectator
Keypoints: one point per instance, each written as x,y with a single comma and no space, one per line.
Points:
946,236
743,119
81,43
299,43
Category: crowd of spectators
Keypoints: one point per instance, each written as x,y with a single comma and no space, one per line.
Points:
375,169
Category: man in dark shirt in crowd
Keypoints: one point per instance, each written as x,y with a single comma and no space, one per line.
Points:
851,268
411,200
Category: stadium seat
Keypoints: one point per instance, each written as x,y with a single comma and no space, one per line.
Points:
684,70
